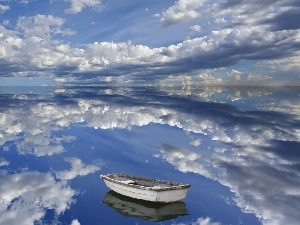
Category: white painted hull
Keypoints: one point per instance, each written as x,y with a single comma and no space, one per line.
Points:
160,191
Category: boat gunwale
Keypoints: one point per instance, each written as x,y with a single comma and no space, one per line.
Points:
173,185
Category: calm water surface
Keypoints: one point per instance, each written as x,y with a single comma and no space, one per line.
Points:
239,148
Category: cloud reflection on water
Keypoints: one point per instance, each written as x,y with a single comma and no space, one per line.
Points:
253,138
78,169
263,183
26,196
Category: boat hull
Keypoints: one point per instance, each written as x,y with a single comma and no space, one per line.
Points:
156,193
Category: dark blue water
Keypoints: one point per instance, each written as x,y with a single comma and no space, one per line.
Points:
239,148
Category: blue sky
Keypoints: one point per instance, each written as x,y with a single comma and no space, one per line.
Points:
184,42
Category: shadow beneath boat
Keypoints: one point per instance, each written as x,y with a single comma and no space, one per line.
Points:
145,210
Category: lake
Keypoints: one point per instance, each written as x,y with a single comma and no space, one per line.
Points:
239,148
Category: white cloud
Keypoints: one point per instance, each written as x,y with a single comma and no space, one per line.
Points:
42,26
277,15
26,196
6,22
258,78
40,122
187,80
4,8
42,144
25,1
196,142
78,169
75,222
3,162
78,5
182,11
284,106
286,65
205,221
196,28
237,75
34,46
249,172
253,168
185,160
220,20
37,49
39,139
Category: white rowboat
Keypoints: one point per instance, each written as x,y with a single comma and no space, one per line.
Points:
148,189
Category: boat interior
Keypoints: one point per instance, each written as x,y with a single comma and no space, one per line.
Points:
147,182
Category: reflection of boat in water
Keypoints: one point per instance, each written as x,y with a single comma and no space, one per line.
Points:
146,188
151,211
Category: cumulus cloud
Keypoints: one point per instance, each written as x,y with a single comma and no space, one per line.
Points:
248,172
193,54
288,64
258,147
36,132
182,11
3,8
26,196
33,47
184,160
26,55
42,144
257,79
39,139
78,5
284,106
277,15
3,162
196,28
78,169
205,78
42,26
196,142
75,222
